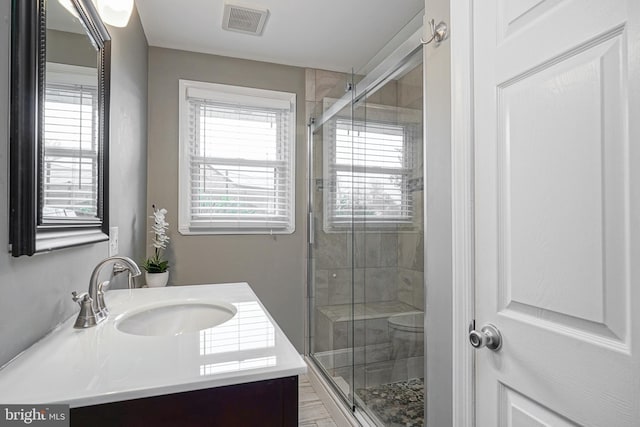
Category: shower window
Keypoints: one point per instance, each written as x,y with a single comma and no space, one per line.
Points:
237,153
369,165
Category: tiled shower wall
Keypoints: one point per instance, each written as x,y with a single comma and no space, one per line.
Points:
410,245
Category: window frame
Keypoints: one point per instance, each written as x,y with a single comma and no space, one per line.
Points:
252,97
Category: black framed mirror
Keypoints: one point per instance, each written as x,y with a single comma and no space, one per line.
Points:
59,136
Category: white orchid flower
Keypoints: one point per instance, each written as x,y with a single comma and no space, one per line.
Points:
160,238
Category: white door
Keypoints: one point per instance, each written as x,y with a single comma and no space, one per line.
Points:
557,189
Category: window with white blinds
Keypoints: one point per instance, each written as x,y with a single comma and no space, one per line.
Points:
70,164
369,165
237,149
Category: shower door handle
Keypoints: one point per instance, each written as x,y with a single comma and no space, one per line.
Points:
489,336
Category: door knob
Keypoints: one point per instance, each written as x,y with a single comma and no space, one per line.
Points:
489,336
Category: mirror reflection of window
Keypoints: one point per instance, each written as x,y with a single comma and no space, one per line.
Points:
70,167
70,174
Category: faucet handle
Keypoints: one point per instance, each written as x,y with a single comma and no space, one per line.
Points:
103,286
83,297
119,268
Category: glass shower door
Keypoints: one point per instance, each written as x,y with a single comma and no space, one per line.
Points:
388,230
366,269
331,251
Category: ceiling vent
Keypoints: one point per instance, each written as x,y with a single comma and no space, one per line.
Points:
243,19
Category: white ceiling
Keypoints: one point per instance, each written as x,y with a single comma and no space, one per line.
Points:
328,34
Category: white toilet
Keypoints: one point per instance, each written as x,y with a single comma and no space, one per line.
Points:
406,333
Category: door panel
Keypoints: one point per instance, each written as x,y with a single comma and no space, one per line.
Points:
517,410
516,14
563,236
555,221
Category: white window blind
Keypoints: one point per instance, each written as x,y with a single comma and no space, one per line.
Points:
70,169
237,170
369,165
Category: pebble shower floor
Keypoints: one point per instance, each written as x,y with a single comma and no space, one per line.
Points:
398,404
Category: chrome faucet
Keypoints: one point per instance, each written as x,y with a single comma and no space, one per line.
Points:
92,306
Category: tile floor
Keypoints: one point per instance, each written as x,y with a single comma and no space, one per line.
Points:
311,410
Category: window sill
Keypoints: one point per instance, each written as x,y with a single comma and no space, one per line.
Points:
188,231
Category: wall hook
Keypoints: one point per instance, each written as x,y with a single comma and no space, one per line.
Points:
439,32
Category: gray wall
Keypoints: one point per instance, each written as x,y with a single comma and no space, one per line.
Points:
274,266
70,48
35,291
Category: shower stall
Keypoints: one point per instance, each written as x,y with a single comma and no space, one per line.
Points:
366,235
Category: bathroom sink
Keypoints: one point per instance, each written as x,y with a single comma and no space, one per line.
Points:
174,318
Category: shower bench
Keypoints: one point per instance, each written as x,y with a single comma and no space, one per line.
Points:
370,323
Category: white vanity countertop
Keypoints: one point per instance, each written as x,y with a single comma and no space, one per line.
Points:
82,367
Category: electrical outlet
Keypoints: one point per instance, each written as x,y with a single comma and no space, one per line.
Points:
113,241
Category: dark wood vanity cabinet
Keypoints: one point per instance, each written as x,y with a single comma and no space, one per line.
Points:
262,403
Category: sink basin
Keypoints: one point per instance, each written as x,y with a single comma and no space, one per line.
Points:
175,318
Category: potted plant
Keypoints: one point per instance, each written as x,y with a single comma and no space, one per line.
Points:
157,269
